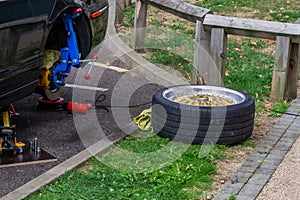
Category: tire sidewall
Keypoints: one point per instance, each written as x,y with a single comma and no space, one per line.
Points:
225,122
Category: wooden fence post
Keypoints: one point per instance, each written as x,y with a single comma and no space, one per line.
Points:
292,73
127,3
218,56
281,64
119,11
201,60
140,25
292,70
285,73
298,64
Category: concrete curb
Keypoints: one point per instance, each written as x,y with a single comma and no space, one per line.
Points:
54,173
257,169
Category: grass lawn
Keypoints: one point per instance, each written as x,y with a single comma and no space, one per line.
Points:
170,42
186,178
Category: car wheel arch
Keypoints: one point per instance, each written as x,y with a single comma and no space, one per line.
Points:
56,32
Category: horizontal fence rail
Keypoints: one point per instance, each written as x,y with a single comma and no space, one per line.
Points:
181,9
252,28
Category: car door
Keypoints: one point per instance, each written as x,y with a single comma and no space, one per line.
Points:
22,31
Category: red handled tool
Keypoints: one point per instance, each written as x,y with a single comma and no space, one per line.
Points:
77,107
88,75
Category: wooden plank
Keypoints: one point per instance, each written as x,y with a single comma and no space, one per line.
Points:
281,64
218,56
140,25
252,27
28,157
201,60
181,9
117,69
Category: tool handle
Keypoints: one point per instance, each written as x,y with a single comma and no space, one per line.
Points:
77,107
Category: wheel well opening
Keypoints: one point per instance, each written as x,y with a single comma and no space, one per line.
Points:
57,37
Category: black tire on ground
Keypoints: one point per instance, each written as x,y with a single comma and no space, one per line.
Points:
195,124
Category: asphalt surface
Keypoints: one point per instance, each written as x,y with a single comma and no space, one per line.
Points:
58,131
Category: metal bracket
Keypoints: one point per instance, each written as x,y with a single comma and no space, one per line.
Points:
70,54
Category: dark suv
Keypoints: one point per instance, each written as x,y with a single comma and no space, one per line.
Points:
31,28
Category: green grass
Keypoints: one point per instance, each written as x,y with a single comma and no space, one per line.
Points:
277,10
248,144
231,197
249,65
249,68
129,16
249,60
279,108
186,178
170,59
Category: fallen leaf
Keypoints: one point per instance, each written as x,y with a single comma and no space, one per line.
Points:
268,107
227,72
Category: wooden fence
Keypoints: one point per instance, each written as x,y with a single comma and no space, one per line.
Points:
211,43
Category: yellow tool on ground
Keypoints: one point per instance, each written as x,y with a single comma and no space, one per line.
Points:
8,139
143,120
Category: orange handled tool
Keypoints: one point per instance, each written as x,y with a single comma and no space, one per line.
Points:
77,107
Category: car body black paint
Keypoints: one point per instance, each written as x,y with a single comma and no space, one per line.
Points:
24,28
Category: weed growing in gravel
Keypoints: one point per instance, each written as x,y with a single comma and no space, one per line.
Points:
279,108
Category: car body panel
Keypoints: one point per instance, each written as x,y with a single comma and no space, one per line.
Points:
24,26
